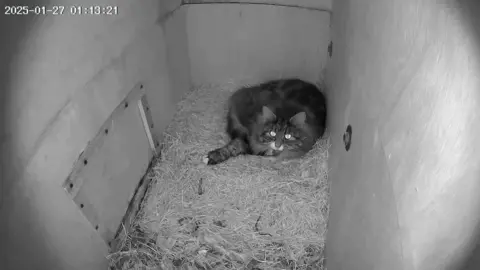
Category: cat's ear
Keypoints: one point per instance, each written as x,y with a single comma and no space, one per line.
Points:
298,119
267,114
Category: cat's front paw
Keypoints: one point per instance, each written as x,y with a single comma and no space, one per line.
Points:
214,157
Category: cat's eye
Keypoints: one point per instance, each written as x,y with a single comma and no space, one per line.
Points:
288,136
272,133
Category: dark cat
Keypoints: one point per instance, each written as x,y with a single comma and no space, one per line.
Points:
280,118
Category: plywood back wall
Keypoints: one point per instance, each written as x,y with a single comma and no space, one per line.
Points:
240,42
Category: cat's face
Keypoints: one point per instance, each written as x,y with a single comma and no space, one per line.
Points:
275,135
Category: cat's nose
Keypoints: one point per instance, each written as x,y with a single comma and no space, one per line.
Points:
278,143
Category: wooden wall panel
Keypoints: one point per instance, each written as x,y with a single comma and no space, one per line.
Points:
62,78
61,55
405,76
178,44
234,42
106,174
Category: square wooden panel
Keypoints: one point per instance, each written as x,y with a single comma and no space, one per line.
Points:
107,173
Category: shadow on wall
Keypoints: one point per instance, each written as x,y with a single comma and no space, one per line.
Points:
13,31
470,9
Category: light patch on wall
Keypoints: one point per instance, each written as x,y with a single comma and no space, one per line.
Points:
60,55
434,162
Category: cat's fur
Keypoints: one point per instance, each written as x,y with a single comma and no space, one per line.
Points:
293,109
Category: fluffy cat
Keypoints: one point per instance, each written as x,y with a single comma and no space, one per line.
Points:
281,119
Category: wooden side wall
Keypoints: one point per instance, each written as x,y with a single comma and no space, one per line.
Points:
404,79
61,78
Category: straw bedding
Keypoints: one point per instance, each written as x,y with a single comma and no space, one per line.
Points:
246,213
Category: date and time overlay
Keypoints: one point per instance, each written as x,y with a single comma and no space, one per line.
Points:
20,10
